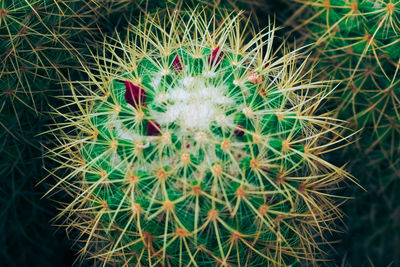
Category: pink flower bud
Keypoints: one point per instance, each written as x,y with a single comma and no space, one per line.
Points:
254,78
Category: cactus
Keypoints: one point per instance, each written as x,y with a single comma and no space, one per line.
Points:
40,42
357,43
194,143
37,40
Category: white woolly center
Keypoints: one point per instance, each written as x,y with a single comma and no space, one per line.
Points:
193,104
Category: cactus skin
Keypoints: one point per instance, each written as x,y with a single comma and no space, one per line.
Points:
357,43
193,144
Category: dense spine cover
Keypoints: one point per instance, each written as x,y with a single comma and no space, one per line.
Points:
37,44
357,43
194,143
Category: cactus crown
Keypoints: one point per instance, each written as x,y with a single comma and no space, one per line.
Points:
196,144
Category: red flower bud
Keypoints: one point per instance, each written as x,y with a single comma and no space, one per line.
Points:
238,131
177,64
134,95
215,58
153,128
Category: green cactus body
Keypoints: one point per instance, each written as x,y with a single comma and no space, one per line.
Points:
195,145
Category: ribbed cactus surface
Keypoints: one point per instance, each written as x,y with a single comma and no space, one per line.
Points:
194,143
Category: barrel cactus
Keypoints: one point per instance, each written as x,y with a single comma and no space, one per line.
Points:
196,143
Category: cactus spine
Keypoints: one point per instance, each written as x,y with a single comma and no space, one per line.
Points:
36,44
40,41
194,144
358,43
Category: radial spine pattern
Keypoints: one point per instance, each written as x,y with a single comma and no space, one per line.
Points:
195,144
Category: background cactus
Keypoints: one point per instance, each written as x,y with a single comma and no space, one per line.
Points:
193,143
37,40
358,44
